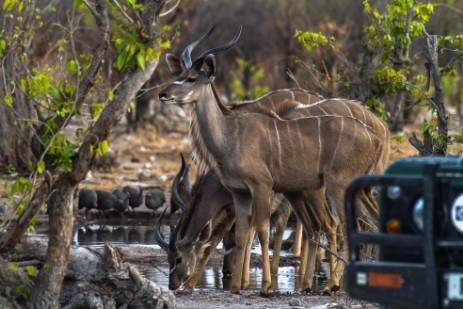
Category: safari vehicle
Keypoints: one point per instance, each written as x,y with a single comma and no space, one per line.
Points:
419,258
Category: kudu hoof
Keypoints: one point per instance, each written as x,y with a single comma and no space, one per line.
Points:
307,290
264,294
330,291
234,290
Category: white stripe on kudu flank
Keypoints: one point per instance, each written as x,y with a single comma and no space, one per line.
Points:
271,102
339,142
301,145
291,141
364,116
319,145
278,142
348,108
323,110
270,146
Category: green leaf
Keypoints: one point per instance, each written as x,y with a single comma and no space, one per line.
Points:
8,100
2,47
425,126
110,94
31,270
40,167
8,5
399,138
78,3
71,67
121,60
103,147
140,61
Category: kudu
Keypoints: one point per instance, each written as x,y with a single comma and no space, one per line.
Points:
207,218
255,154
212,202
211,198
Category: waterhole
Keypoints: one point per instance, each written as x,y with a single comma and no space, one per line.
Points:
94,235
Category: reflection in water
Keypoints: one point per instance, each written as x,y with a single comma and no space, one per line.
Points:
96,235
212,278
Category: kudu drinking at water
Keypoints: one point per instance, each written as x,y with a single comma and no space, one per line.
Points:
255,154
207,219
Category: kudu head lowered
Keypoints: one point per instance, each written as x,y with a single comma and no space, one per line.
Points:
207,209
180,253
191,75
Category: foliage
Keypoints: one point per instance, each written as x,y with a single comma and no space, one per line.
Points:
44,92
247,84
311,40
389,36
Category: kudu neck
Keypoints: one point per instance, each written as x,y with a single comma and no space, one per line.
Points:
210,129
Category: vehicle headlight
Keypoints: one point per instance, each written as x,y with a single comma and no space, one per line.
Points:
394,192
457,213
418,214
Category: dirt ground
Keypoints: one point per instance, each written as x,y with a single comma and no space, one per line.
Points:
220,299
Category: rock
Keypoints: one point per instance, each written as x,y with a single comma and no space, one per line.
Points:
294,302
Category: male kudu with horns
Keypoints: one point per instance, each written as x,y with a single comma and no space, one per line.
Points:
255,154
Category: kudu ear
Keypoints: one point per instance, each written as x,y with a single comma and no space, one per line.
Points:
209,66
174,64
205,234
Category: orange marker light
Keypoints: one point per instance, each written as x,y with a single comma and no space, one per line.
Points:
385,280
393,226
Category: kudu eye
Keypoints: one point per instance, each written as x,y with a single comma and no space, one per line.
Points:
178,260
191,79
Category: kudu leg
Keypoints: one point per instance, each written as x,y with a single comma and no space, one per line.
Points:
304,254
301,206
261,220
335,190
298,239
247,259
307,283
229,255
242,203
280,225
303,264
367,219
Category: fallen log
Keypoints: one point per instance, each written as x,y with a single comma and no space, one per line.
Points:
100,279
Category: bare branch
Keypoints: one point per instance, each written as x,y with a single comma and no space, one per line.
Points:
124,13
449,65
425,147
170,10
328,250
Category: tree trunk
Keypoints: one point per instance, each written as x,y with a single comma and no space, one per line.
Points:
46,291
431,145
